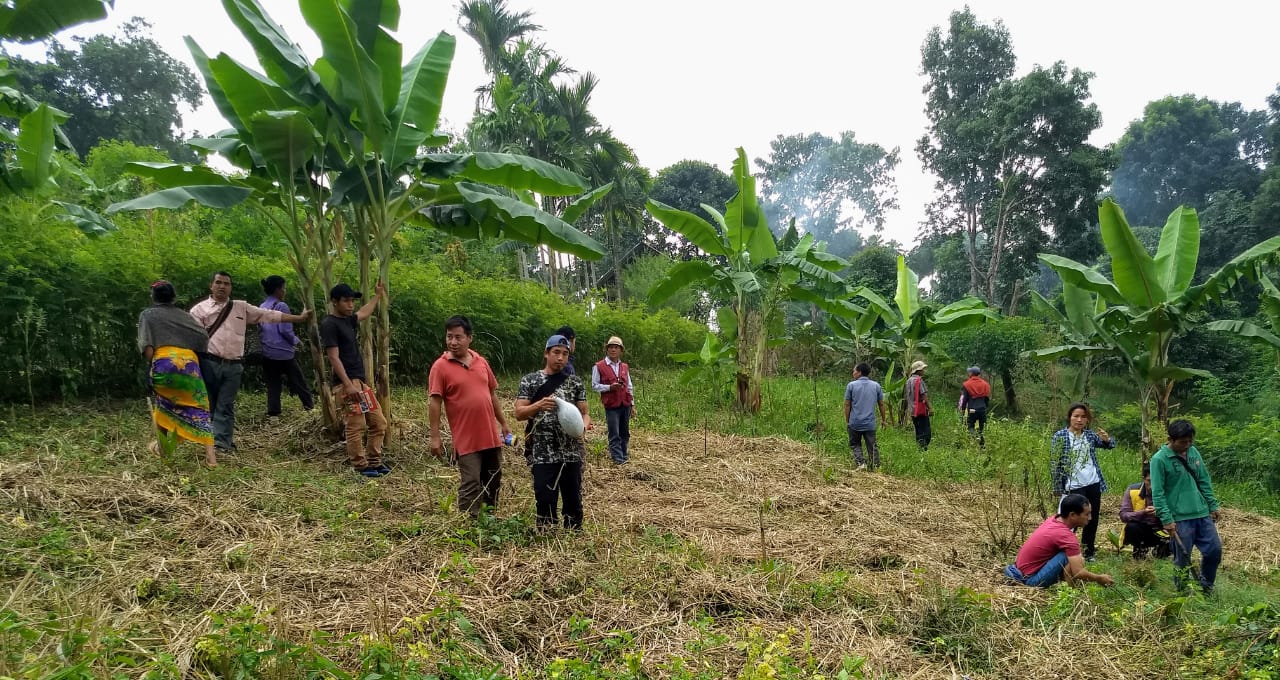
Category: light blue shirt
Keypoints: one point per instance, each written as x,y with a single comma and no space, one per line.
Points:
863,395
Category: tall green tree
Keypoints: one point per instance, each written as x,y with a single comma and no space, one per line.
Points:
122,87
828,185
687,185
1151,301
1016,173
1184,149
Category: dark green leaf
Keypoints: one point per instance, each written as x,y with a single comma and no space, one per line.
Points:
694,229
208,196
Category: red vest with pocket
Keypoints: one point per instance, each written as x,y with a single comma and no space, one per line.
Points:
614,398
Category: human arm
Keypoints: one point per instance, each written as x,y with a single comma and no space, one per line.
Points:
964,399
596,385
379,292
1103,440
1204,485
586,417
497,412
526,409
1076,572
286,330
259,315
1058,446
340,372
434,403
848,406
1158,498
1127,513
884,412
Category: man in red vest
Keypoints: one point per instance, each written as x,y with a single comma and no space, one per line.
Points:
612,379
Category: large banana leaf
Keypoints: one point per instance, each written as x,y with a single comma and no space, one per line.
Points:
683,274
88,221
1245,329
169,175
574,211
29,20
417,111
693,228
1178,252
35,146
277,53
907,296
286,139
747,228
347,69
526,223
1155,373
216,93
1270,301
886,311
1068,351
835,307
1245,265
513,171
1088,278
1081,307
1132,268
247,92
372,19
208,196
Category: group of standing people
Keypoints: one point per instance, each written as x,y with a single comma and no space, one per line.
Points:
862,396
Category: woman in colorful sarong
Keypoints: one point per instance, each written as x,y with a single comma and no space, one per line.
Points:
171,340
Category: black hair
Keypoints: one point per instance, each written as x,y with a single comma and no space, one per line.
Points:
863,369
1146,469
1072,504
272,284
458,321
1181,429
566,331
1088,412
220,273
162,292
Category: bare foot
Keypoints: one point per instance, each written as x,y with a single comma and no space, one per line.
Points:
154,447
210,458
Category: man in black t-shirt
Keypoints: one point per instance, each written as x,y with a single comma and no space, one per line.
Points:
356,403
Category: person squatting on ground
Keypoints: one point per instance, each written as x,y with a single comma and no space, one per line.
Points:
463,383
554,457
171,340
861,397
1184,500
1142,527
1074,466
352,394
917,398
975,399
1052,552
279,367
222,365
611,378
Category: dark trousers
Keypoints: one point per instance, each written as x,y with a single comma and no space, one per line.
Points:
561,482
978,416
1090,532
222,380
1142,536
856,439
924,430
284,371
479,480
1197,533
619,422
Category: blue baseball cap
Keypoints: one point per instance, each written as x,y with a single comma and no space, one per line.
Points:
557,341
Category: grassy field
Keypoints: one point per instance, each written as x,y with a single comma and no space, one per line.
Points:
764,555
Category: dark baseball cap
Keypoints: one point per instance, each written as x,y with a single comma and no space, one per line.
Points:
343,291
557,341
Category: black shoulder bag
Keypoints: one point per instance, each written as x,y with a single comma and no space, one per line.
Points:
222,318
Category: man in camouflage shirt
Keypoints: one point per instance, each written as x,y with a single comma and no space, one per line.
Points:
554,457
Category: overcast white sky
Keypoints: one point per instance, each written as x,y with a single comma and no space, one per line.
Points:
696,79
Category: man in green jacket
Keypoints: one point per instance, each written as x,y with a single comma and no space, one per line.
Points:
1183,497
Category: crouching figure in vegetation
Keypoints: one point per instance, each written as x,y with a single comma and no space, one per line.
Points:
554,455
1184,500
1142,527
170,340
1052,552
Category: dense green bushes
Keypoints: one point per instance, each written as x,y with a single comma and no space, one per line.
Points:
70,303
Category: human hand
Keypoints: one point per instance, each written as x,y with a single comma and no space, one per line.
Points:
1105,580
351,390
633,411
1102,434
380,290
1215,515
1171,527
547,404
1150,510
617,386
586,422
437,446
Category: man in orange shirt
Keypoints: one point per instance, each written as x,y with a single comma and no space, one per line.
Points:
463,383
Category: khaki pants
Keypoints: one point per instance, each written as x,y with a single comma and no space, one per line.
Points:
479,480
355,425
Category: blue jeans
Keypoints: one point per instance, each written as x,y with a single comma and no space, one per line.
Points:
1045,576
619,422
1197,533
222,380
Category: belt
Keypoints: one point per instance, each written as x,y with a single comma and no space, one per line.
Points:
214,357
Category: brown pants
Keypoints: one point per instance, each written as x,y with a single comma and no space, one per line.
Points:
355,425
479,480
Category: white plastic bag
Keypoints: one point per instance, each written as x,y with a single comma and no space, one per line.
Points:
570,418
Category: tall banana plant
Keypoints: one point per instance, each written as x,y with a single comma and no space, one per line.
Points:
332,150
744,264
1270,300
1087,342
905,326
1150,301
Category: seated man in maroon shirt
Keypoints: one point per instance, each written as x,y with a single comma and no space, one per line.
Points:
1052,551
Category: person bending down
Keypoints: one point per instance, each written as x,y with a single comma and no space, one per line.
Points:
1052,552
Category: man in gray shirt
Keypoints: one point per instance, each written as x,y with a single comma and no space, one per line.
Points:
860,400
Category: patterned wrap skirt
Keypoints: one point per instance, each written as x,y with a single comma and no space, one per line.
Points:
180,401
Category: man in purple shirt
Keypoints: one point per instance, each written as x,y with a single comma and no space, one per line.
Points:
278,345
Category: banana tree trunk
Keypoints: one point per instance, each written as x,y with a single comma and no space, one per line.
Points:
382,364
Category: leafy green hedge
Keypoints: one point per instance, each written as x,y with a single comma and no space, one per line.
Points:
69,304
